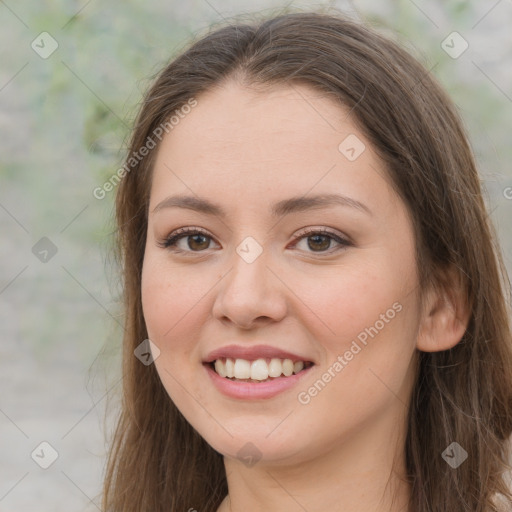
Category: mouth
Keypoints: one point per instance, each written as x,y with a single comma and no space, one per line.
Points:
257,371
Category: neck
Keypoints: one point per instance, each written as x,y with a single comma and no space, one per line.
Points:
364,472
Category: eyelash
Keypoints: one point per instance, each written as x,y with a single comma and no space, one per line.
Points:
171,241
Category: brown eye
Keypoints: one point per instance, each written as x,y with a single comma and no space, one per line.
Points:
197,241
319,242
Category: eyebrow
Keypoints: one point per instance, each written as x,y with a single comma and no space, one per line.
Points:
281,208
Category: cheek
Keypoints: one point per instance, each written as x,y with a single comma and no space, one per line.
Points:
171,301
351,302
176,308
365,321
366,372
172,307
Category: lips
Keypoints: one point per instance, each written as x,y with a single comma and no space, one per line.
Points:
259,371
247,389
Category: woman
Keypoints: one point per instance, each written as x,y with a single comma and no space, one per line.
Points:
304,242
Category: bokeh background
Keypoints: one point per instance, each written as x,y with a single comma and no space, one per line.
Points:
65,114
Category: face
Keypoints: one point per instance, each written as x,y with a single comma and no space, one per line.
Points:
270,273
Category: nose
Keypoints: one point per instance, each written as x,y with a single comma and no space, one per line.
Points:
250,294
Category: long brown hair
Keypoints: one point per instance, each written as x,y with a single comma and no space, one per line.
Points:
158,461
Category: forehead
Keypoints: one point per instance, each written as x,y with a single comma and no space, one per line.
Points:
264,121
291,140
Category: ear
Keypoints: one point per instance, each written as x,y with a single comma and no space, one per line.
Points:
445,314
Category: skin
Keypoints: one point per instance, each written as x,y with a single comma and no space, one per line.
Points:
244,149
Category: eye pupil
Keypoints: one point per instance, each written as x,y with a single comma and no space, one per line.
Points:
317,237
195,237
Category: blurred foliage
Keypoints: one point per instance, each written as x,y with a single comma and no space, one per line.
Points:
109,51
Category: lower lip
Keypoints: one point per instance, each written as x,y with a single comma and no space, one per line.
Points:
254,390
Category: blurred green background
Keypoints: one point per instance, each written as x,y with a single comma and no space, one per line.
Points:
64,120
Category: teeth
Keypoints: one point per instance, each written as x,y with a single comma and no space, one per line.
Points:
287,367
242,369
259,369
275,368
230,368
220,368
298,366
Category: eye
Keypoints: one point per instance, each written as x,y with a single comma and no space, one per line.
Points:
198,240
319,240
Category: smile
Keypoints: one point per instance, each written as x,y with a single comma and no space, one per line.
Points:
263,385
260,370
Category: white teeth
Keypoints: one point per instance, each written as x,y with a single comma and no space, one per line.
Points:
287,367
275,368
242,369
220,368
298,366
258,370
230,368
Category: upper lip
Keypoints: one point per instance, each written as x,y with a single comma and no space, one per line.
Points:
252,353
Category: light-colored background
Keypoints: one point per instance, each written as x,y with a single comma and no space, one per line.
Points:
63,123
